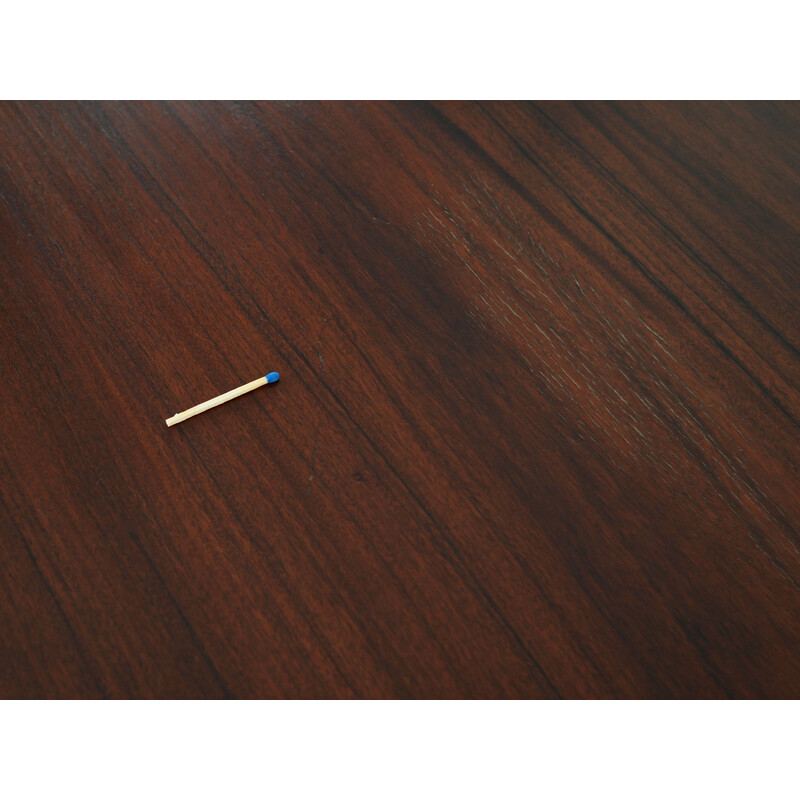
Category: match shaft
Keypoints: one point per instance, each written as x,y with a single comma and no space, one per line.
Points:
216,401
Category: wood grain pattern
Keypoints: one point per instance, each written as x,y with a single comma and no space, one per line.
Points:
536,433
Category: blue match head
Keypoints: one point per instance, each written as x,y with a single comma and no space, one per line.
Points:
273,377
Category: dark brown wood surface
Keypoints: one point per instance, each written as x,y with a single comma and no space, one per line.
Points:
536,433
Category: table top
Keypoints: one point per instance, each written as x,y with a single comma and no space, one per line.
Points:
536,433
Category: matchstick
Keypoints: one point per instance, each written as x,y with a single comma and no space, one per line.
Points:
272,377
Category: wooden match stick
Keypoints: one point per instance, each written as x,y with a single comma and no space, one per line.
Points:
272,377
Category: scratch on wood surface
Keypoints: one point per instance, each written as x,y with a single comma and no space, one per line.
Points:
313,460
319,348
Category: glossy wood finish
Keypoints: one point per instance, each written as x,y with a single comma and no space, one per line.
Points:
536,433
